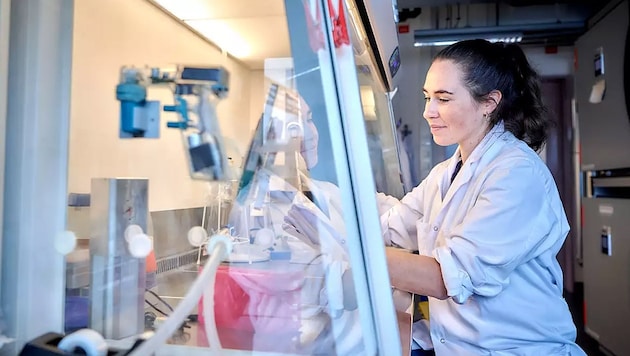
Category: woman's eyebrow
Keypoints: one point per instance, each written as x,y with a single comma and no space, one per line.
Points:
441,91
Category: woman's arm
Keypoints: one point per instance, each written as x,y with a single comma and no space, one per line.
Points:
415,273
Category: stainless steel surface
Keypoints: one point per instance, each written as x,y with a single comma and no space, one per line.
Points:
173,262
173,285
170,228
78,269
117,280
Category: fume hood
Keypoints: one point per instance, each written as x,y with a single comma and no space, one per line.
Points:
312,298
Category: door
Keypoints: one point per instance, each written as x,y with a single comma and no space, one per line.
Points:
559,158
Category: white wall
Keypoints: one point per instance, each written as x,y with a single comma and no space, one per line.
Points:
551,64
112,33
257,94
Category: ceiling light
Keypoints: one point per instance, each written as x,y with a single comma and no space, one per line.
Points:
449,39
187,10
503,33
223,36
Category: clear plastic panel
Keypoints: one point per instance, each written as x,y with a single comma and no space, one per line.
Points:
380,126
288,284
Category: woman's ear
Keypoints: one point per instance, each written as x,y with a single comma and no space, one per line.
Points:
494,98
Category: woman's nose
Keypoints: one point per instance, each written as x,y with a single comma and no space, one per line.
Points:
430,110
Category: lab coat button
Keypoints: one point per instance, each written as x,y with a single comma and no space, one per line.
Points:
442,340
435,228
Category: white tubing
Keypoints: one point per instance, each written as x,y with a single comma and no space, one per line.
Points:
212,334
219,248
88,340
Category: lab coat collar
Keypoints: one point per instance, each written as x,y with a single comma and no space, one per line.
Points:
486,143
447,188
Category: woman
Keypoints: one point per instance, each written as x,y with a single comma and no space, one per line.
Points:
488,222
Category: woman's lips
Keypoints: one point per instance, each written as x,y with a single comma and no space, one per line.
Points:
436,128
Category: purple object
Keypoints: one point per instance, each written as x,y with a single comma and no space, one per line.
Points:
77,313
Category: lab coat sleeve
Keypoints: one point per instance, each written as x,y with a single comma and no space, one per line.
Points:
385,202
512,220
398,223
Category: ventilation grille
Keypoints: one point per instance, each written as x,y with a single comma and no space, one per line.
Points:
173,262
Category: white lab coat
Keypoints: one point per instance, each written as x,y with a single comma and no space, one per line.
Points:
495,233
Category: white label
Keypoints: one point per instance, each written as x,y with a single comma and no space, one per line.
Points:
606,210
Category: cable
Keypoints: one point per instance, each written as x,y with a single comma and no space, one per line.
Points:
160,299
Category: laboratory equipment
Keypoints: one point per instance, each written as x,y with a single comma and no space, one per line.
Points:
275,146
92,343
117,277
197,91
272,169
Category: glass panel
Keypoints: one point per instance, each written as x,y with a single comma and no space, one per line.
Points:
379,123
295,280
380,131
288,285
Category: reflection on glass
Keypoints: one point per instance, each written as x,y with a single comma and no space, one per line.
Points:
288,285
290,264
379,123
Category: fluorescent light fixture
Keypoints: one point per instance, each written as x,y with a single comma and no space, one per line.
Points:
448,36
199,15
223,35
449,39
189,9
504,33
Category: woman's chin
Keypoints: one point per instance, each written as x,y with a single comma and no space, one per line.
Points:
309,159
442,141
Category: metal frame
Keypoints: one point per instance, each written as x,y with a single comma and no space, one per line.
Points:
38,116
5,8
397,142
358,194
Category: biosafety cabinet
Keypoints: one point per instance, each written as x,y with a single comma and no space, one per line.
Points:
603,96
173,191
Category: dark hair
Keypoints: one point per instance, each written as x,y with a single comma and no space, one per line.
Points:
504,67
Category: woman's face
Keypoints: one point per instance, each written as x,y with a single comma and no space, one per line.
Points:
310,140
450,110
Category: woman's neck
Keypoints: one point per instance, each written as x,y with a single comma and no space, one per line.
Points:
467,146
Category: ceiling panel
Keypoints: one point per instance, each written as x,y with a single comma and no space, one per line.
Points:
223,9
249,39
249,30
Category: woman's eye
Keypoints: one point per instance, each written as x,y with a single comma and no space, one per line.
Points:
441,100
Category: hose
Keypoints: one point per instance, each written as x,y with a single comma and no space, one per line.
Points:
219,247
